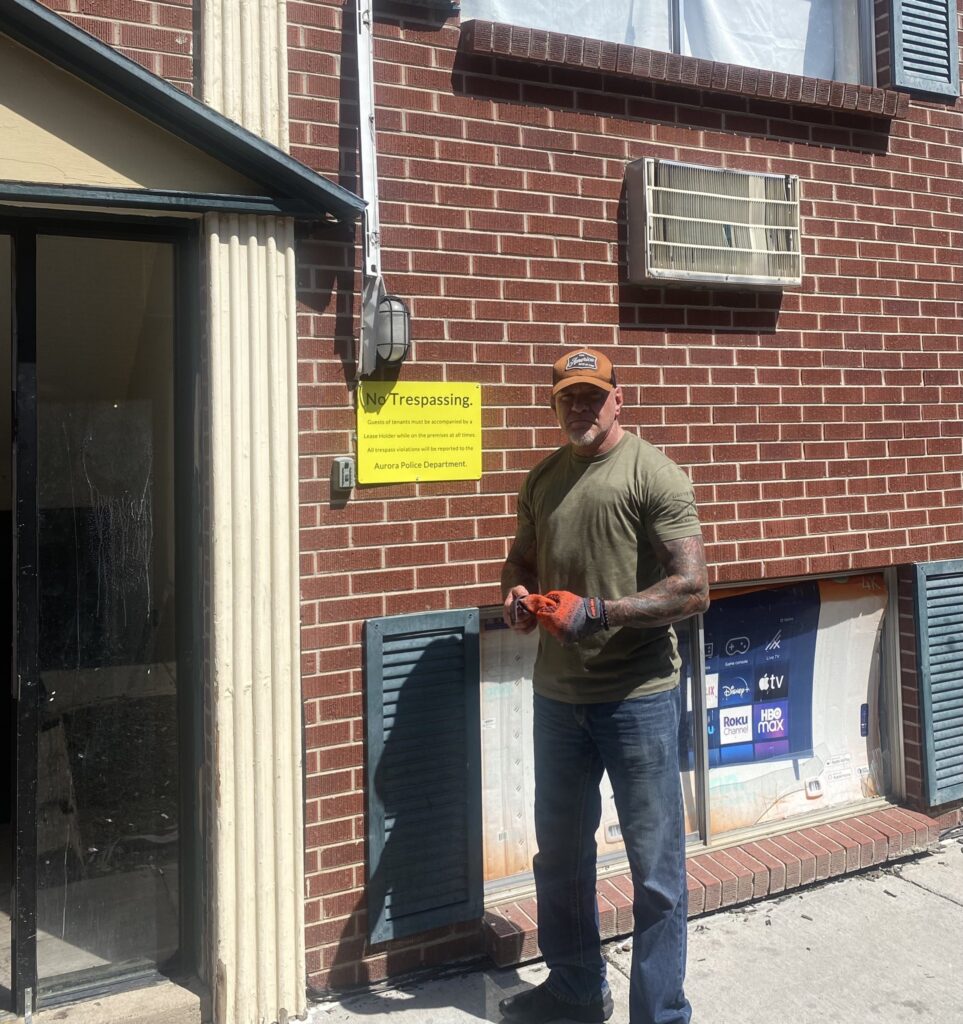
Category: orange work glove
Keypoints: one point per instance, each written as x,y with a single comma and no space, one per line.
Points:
567,617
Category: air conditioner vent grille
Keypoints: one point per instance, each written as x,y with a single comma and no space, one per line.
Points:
712,225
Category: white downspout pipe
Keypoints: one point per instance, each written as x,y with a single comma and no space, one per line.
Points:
373,289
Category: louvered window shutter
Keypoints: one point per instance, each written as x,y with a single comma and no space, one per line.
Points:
424,772
939,632
925,46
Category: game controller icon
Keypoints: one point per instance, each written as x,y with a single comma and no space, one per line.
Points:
737,645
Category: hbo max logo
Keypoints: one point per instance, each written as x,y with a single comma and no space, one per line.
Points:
771,721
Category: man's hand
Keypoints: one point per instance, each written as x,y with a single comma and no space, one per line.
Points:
514,612
567,617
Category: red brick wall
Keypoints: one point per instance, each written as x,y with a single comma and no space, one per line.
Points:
822,428
158,34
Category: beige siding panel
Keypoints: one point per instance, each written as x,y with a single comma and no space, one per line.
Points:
57,130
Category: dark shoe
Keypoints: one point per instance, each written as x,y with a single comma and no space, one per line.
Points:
538,1005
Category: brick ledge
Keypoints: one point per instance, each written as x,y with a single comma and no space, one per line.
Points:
514,41
737,874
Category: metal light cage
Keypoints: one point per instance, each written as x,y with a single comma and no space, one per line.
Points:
392,330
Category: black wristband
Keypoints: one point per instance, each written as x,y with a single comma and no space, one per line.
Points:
595,616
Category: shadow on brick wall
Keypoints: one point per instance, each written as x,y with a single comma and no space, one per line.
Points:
674,112
421,827
328,286
327,292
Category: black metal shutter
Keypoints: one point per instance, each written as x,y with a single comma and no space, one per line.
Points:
925,46
939,632
423,772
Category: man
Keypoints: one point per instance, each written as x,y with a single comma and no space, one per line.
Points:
608,532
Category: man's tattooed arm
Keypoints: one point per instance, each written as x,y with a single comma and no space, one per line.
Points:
683,592
519,577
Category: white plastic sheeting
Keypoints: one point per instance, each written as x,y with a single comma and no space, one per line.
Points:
818,38
635,22
508,763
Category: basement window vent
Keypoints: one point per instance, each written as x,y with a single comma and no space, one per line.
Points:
711,226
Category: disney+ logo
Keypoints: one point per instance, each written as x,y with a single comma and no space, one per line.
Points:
734,690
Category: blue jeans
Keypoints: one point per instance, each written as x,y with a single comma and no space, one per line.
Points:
636,742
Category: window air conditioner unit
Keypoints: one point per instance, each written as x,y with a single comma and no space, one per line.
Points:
705,225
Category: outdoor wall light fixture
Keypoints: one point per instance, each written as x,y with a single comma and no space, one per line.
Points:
392,330
385,328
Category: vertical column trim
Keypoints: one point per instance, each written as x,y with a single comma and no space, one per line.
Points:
258,911
245,65
258,830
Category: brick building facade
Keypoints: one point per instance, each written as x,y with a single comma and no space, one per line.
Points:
820,424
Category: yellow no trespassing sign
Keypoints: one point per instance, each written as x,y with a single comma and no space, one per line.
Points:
418,431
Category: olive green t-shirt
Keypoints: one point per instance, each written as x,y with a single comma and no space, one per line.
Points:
593,521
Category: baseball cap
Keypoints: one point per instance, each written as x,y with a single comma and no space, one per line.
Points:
583,366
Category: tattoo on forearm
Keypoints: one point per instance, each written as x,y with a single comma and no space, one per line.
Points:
683,592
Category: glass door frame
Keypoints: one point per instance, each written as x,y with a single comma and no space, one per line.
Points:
23,227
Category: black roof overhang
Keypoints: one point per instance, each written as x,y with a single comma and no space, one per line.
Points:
290,186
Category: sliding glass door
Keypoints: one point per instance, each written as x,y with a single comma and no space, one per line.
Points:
90,328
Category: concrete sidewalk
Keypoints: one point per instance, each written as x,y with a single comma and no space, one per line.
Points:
882,946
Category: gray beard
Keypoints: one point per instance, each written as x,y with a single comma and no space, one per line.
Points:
582,440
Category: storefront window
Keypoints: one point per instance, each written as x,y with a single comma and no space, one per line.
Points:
791,713
792,699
